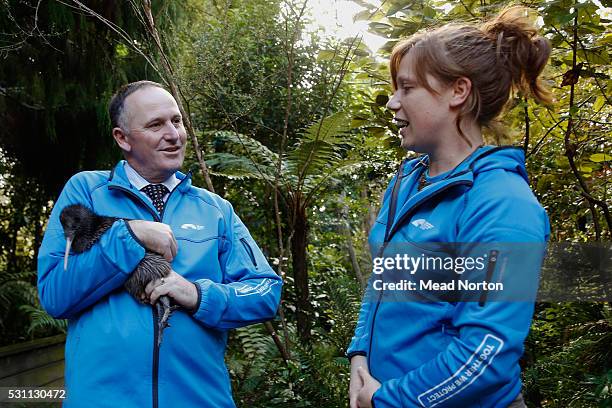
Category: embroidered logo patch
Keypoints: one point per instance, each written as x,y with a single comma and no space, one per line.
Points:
422,224
192,227
474,367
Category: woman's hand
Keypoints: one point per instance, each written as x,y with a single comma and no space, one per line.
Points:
356,382
370,386
362,385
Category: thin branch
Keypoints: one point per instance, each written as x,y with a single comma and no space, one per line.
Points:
526,142
345,227
468,9
129,41
176,91
342,73
535,148
586,56
570,149
5,92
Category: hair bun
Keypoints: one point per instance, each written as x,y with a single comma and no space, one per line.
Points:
520,50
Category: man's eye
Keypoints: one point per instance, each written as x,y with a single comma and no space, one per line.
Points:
177,121
155,125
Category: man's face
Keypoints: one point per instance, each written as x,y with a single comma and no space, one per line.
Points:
154,141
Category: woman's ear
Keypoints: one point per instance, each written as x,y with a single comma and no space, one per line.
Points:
121,138
460,90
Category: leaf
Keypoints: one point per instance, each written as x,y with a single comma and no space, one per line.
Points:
395,8
382,99
245,144
320,145
600,157
380,28
595,56
599,103
326,55
329,129
363,15
237,167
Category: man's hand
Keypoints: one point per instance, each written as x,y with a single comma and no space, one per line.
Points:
156,237
370,386
183,292
356,382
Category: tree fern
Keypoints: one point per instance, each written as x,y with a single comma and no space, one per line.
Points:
41,320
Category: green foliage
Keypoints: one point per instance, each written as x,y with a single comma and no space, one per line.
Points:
235,61
319,154
41,321
316,375
21,316
570,356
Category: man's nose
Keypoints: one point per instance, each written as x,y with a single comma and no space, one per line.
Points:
171,132
393,103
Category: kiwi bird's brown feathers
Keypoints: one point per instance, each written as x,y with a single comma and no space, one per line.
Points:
84,228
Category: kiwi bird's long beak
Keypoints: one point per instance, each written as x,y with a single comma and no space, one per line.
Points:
68,245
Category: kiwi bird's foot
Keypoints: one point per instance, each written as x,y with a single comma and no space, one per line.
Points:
164,310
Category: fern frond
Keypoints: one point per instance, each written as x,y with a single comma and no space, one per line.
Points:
237,167
321,145
42,320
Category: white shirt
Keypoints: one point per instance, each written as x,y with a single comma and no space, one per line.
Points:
139,182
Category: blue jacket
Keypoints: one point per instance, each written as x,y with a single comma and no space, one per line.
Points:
438,353
111,355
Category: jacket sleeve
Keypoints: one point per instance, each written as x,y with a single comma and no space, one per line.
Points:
90,275
483,356
360,343
250,290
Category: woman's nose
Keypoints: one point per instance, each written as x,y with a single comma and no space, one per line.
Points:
393,103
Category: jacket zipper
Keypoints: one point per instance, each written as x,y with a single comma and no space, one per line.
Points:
158,218
187,176
493,255
155,373
402,219
137,198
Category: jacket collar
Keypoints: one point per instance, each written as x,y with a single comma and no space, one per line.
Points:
118,178
465,178
483,159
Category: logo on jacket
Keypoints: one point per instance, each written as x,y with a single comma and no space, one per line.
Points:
422,224
192,227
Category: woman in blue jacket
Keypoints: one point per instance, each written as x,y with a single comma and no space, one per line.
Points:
416,346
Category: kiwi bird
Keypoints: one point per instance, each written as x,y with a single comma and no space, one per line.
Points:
83,227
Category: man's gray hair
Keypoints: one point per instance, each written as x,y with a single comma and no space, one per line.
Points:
116,107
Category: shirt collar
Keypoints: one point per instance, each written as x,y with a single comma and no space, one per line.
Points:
139,182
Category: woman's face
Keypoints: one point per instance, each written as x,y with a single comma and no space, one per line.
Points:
428,114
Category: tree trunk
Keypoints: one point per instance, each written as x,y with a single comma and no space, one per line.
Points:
370,220
345,226
299,243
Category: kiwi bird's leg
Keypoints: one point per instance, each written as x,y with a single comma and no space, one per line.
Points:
164,310
67,252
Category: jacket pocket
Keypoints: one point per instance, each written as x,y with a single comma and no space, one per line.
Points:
249,251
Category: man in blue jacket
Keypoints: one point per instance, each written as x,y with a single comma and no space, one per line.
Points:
219,275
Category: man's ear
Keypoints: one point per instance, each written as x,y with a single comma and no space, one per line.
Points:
460,90
121,138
